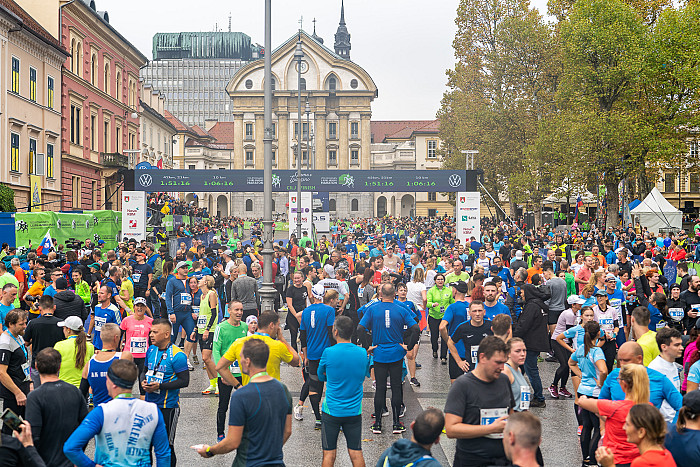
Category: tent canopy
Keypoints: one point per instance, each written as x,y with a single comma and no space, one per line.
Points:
655,213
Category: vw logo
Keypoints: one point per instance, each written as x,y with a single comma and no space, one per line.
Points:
145,180
455,180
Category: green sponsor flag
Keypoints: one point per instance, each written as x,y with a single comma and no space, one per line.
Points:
168,222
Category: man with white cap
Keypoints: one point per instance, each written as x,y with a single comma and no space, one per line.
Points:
316,335
328,280
567,320
517,262
178,302
616,301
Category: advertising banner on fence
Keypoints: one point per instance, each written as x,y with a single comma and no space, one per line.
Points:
93,225
134,215
311,180
306,213
468,216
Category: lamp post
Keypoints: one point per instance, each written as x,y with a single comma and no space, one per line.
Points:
267,291
298,55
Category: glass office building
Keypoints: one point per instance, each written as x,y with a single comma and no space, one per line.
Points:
193,69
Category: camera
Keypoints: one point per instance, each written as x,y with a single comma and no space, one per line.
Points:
74,244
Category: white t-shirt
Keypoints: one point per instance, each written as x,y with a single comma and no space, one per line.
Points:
228,268
415,293
670,369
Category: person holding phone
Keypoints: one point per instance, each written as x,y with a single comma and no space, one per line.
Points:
18,450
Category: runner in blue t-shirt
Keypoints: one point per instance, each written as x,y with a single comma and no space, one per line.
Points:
344,366
105,312
165,373
401,293
386,320
455,314
316,333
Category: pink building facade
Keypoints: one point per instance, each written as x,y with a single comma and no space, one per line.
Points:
99,104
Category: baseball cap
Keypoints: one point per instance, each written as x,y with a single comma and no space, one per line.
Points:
674,286
72,322
318,291
228,252
692,401
182,264
140,301
575,300
601,293
251,319
610,277
328,269
61,283
94,265
494,268
461,286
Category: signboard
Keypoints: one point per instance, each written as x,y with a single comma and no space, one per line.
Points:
306,213
320,202
468,216
350,181
322,221
35,193
93,225
134,215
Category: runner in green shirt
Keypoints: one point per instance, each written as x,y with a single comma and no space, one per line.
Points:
206,319
227,332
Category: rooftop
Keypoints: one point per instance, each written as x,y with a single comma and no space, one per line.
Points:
31,25
203,45
382,130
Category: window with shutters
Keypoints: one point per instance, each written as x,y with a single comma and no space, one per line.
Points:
332,130
32,156
15,75
14,152
32,84
49,92
332,157
49,161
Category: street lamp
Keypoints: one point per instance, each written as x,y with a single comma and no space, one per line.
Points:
298,55
267,291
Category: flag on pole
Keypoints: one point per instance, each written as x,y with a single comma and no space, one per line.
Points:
46,244
579,206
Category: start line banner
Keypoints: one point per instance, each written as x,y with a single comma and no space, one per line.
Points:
311,180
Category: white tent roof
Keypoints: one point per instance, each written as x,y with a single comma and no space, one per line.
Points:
654,203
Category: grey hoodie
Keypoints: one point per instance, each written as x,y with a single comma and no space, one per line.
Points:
404,452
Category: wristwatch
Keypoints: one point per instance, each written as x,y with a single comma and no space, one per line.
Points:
208,452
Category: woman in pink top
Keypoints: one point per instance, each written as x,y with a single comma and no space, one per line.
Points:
688,354
137,327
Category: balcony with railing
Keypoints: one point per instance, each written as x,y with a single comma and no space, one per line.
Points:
114,159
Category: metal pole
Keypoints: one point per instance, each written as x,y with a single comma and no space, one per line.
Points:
267,291
299,54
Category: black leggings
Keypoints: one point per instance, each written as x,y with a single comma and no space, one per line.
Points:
140,361
293,326
561,376
224,401
590,434
393,371
609,350
434,325
305,387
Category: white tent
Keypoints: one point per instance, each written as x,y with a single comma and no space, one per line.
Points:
655,213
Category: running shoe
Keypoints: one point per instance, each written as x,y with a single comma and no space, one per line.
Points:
195,360
189,366
579,430
415,382
317,425
565,393
220,438
434,354
539,359
443,361
538,404
402,411
551,359
398,428
298,412
376,428
210,390
385,412
418,366
554,392
217,390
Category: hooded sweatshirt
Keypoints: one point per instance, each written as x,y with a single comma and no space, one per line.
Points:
404,452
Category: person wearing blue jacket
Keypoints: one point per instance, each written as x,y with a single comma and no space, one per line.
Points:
125,428
178,302
660,387
426,432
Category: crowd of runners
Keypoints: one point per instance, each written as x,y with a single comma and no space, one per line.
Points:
98,344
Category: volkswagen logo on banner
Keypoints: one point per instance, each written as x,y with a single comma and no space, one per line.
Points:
145,180
455,181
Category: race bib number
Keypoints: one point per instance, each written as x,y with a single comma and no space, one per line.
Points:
138,345
676,314
606,324
695,308
201,322
154,377
475,354
235,369
525,397
660,324
25,368
615,303
195,309
185,299
136,276
488,416
162,295
99,322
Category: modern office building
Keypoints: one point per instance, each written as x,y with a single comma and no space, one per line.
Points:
192,69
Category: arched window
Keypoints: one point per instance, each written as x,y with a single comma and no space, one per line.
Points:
354,205
249,205
93,70
332,83
78,58
331,205
106,83
302,84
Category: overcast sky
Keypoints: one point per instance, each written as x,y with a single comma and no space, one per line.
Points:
405,45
